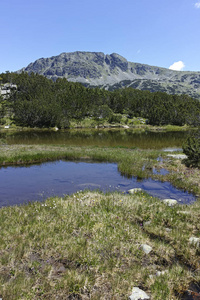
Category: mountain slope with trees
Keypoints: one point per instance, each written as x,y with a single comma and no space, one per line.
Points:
95,69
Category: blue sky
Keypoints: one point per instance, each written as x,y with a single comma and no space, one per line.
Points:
153,32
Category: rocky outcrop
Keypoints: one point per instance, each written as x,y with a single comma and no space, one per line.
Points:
6,89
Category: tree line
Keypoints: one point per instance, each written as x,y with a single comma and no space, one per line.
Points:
41,102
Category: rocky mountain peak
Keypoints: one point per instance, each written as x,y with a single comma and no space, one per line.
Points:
115,60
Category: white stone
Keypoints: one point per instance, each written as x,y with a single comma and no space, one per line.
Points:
168,229
147,223
7,126
185,212
126,126
178,156
159,273
136,190
194,240
138,294
170,202
146,248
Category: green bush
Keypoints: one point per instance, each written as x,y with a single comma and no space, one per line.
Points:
191,148
115,118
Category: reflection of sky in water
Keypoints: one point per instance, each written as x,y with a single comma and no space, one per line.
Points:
172,149
37,182
161,171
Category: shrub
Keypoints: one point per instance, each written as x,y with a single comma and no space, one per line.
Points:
191,148
115,118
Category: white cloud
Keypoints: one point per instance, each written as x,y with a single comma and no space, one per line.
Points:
197,4
177,66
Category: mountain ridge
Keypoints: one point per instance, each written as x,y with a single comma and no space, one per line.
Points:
114,71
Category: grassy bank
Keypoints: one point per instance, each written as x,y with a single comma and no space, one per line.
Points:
89,246
134,123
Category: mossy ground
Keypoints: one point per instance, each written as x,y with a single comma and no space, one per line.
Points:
88,245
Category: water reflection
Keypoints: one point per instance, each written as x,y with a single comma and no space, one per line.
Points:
37,182
104,137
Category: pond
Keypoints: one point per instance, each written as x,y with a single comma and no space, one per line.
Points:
37,182
102,137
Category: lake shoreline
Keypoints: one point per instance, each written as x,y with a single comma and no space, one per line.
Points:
142,127
37,182
131,162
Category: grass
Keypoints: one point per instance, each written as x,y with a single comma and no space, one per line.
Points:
88,246
181,176
129,160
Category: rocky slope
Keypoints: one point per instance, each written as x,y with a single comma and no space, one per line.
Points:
114,71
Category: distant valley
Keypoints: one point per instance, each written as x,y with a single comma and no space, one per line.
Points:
114,71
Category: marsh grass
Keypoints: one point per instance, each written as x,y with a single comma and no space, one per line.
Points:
181,176
130,161
88,246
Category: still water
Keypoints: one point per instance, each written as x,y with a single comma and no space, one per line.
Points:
37,182
102,137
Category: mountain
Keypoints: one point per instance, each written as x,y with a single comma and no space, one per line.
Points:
114,71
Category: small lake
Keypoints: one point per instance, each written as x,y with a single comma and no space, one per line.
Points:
102,137
21,184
